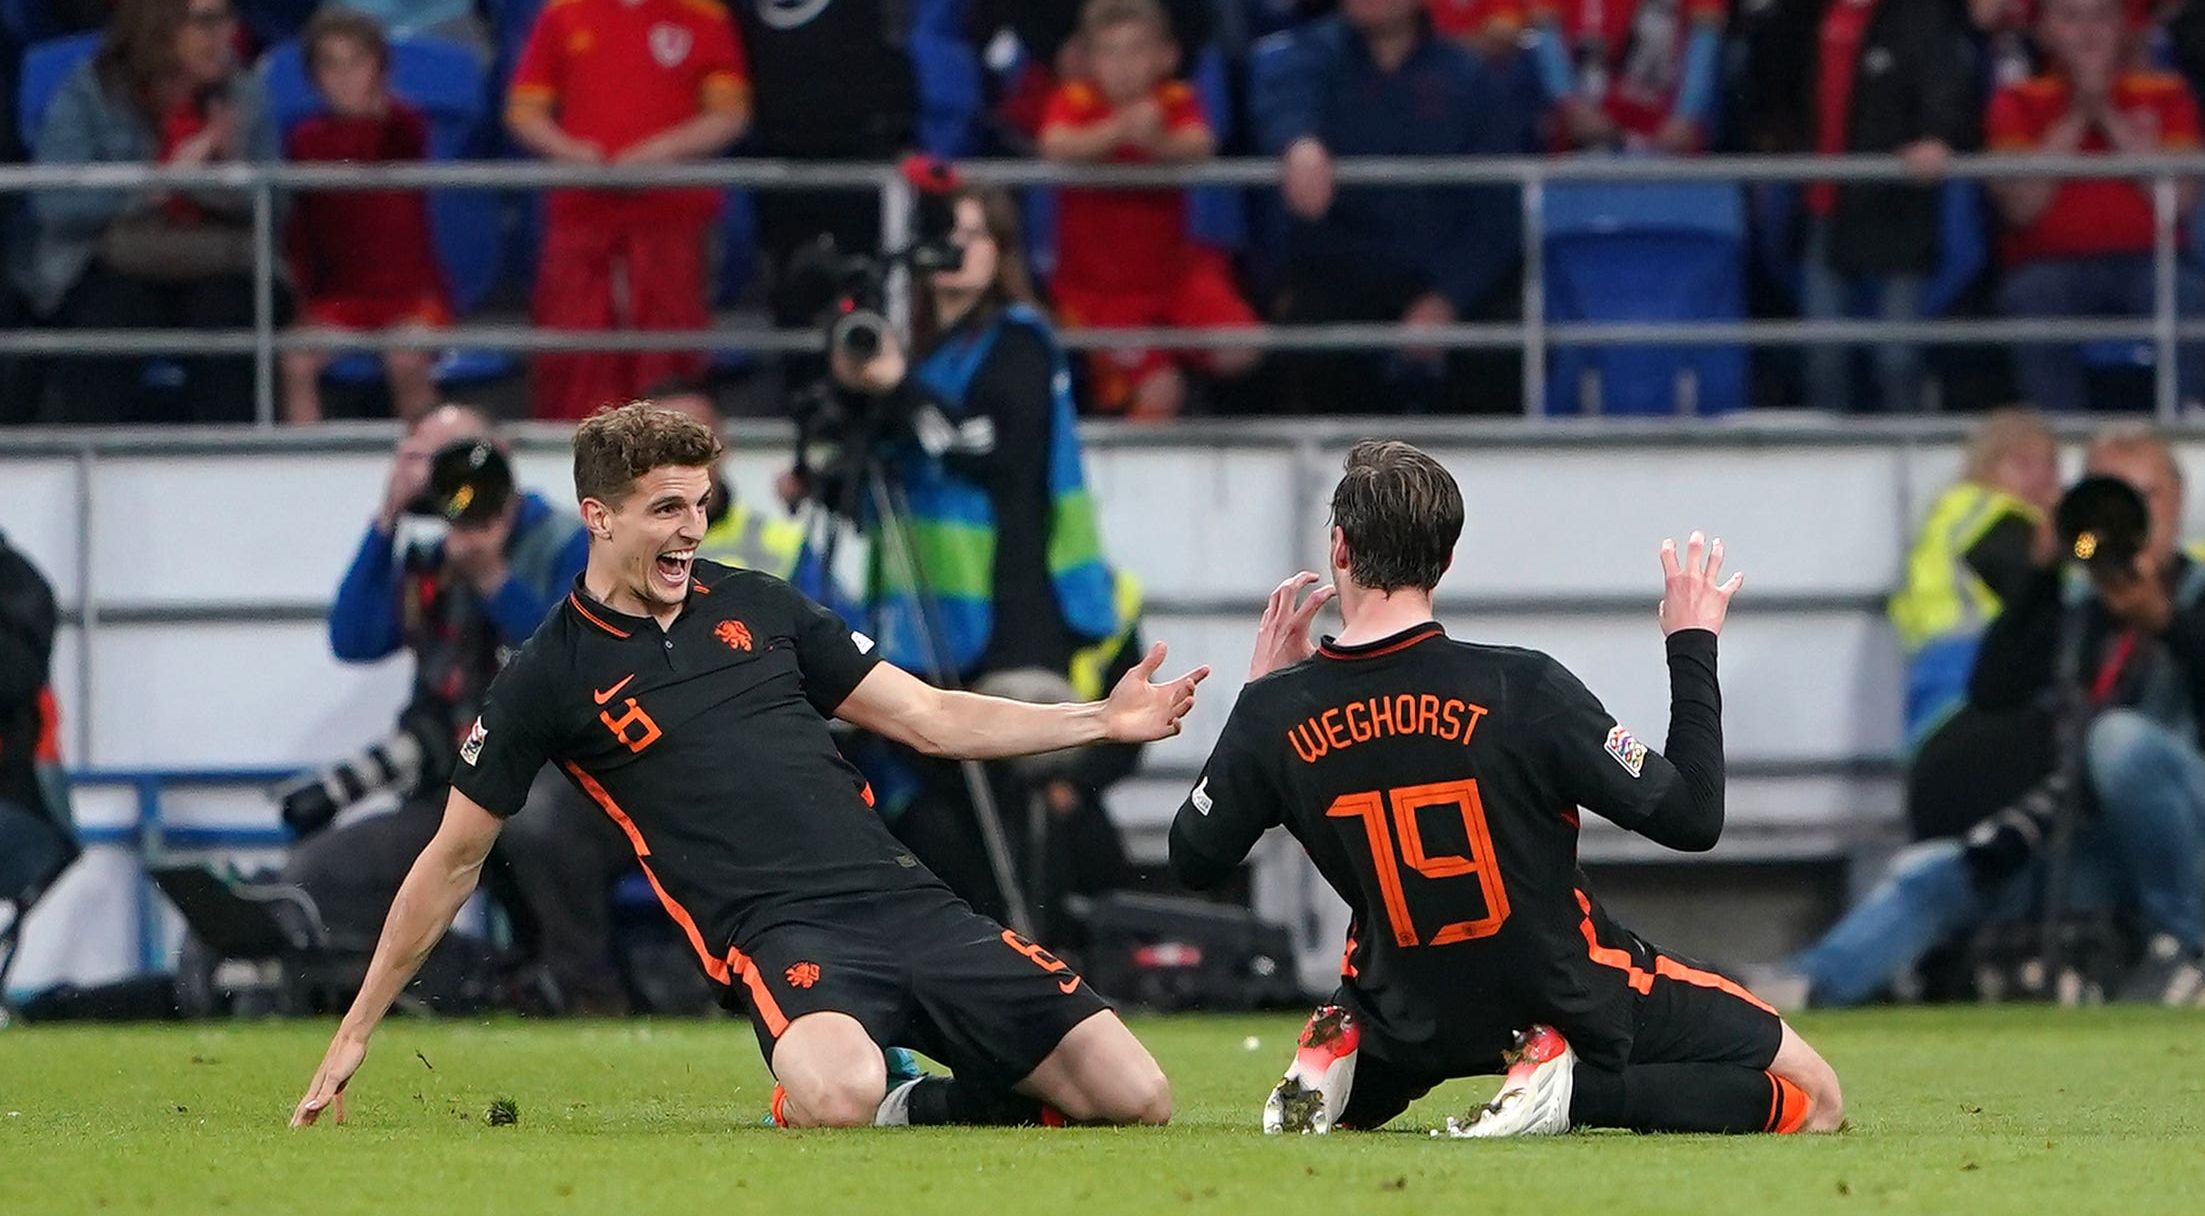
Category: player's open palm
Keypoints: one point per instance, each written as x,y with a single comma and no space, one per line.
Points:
328,1089
1690,596
1282,638
1141,711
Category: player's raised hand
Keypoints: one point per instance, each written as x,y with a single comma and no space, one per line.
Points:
328,1089
1690,596
1282,637
1140,711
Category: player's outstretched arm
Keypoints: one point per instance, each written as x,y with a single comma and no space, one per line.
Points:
1694,607
968,726
440,881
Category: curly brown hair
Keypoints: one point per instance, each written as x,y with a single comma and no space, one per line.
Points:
620,443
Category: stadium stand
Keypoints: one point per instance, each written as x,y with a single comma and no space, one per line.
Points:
1645,253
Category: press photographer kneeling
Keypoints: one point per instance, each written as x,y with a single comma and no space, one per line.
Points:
968,451
2110,635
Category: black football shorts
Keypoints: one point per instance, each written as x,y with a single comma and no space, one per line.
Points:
920,970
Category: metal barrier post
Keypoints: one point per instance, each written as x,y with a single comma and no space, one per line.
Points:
264,303
1535,293
896,206
88,608
2167,390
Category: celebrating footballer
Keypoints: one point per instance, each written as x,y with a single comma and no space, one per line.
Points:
1436,785
689,701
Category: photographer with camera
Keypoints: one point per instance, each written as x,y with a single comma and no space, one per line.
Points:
978,433
461,605
969,450
2109,635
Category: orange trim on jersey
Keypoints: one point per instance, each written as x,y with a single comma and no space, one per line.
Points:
1424,635
591,617
699,588
724,971
1664,967
865,791
1347,960
48,748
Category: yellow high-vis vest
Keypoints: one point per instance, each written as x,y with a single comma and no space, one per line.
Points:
1943,598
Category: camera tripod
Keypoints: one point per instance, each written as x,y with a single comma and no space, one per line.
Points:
890,512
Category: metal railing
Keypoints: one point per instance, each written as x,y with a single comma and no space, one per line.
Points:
1535,335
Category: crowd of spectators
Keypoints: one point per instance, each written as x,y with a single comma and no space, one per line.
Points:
1112,81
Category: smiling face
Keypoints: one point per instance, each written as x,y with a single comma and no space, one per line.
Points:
644,542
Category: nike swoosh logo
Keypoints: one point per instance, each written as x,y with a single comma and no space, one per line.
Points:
1070,986
614,691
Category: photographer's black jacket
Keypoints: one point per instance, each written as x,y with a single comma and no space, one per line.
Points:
27,622
2162,676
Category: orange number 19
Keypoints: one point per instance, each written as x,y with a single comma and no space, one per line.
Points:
1405,802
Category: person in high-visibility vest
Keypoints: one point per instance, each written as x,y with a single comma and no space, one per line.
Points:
742,535
1973,552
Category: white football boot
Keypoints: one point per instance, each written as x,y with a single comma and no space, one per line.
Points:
1535,1095
1309,1099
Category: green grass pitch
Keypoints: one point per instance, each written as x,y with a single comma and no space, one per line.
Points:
1960,1111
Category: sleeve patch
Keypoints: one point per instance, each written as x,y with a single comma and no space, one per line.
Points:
1627,750
1201,796
471,750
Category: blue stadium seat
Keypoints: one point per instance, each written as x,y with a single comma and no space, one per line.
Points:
446,82
1217,216
45,66
1645,253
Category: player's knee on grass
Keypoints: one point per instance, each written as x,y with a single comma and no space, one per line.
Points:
1142,1096
833,1073
1100,1073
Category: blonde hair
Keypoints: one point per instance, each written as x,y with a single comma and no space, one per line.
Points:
2132,438
1999,434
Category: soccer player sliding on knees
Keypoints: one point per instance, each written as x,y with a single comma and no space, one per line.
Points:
1436,785
689,700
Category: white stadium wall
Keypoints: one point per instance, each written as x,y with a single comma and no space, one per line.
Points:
194,572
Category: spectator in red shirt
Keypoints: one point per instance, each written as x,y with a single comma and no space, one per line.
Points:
624,82
2083,247
360,259
1123,256
1637,75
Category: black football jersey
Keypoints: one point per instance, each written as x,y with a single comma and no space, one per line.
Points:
707,742
1436,786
